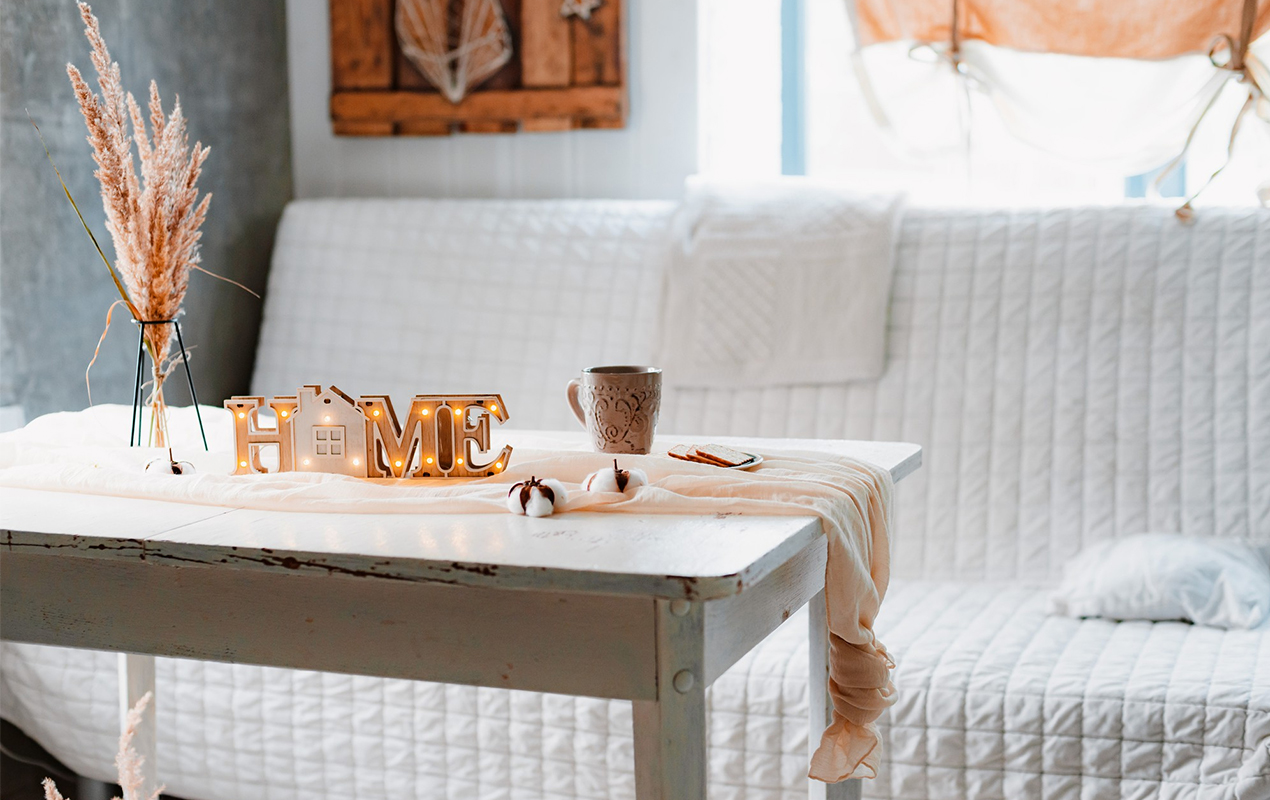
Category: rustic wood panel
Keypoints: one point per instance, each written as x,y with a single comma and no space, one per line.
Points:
544,44
377,91
350,127
362,44
599,56
601,101
422,127
547,124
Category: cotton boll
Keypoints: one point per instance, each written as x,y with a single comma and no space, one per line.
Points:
536,498
538,505
560,495
615,479
514,503
166,466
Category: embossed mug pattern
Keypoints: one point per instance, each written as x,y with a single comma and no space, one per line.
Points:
618,406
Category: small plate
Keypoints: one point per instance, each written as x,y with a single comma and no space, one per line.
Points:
751,464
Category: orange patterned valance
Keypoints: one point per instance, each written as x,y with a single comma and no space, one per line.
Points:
1144,29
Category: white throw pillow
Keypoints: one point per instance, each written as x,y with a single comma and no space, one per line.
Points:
1166,576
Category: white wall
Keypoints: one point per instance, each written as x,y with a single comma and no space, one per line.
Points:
648,159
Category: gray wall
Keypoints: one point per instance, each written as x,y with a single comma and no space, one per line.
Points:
227,60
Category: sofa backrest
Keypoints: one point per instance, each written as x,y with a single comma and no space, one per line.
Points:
1072,374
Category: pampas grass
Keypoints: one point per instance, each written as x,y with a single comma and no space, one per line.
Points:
154,216
128,762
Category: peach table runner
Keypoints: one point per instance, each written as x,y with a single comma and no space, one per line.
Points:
83,452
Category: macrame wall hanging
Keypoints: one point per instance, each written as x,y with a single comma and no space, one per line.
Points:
456,45
435,67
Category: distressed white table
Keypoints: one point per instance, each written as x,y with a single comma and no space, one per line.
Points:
647,608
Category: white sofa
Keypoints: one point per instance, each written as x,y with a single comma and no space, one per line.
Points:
1072,374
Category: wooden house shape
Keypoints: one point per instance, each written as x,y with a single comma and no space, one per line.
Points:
329,433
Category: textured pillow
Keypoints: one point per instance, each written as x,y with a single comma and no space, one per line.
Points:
1166,576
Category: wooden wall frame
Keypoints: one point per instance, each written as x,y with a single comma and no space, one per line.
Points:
565,73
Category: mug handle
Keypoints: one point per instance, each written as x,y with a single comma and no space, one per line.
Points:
572,394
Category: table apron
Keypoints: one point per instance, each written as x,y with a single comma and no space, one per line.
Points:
563,642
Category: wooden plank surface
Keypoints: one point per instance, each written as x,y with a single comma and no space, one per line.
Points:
546,59
361,44
388,106
598,50
386,628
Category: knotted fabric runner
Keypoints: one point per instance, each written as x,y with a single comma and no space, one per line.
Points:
83,452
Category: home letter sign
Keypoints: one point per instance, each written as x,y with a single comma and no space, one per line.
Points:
328,431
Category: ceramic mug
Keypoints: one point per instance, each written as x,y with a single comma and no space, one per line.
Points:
618,406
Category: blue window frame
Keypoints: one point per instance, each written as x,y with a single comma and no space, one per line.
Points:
793,94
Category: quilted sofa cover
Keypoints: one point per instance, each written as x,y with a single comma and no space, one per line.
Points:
1073,375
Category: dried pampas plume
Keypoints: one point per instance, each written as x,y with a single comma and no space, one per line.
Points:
154,217
128,762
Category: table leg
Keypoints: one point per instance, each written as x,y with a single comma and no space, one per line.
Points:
670,732
136,677
818,698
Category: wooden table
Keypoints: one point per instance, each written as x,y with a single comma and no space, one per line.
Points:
647,608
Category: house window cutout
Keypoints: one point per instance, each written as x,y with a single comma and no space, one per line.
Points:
328,440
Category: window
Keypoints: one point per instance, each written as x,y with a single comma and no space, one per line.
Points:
779,95
328,440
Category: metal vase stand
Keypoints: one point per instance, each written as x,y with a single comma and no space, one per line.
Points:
134,432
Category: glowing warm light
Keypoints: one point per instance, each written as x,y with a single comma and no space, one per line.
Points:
375,413
357,461
326,419
242,463
284,413
459,460
397,464
498,465
242,415
429,459
493,406
458,412
425,412
306,462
